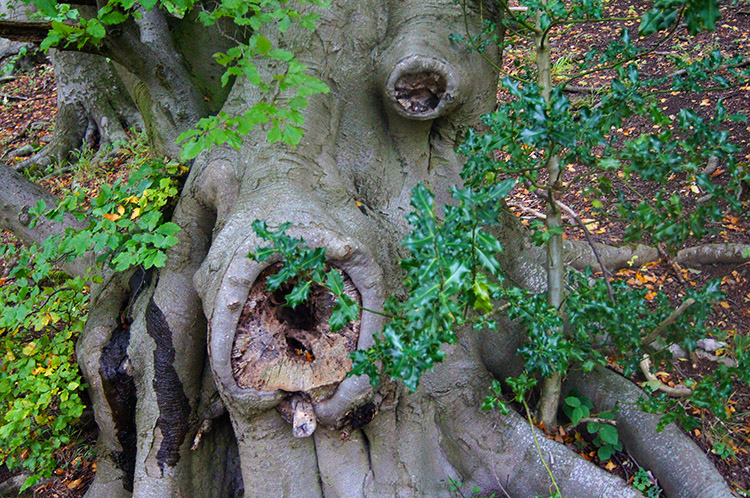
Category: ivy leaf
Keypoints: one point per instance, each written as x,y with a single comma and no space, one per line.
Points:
656,20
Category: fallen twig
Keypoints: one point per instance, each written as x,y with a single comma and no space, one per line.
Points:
676,392
526,209
654,334
7,97
672,263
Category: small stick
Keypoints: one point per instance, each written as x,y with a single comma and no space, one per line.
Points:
204,429
654,334
675,392
6,96
526,209
675,267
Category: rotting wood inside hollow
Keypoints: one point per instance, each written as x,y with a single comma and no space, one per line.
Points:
292,349
418,93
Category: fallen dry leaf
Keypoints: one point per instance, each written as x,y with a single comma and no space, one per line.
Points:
73,484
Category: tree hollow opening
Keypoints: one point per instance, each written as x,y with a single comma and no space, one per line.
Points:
419,93
292,349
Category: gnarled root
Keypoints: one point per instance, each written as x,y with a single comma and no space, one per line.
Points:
580,255
93,108
682,469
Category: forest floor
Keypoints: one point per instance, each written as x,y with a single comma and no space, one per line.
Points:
28,107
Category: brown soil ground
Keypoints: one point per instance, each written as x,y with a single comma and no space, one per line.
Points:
28,106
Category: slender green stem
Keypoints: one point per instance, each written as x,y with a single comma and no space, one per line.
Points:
539,449
470,39
380,313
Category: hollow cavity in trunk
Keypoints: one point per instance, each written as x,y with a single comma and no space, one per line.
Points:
420,92
292,349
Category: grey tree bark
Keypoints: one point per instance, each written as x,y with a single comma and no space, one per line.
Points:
93,109
173,416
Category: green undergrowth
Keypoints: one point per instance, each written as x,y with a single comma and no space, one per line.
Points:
44,310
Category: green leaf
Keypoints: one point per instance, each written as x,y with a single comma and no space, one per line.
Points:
148,4
191,149
46,7
168,228
262,44
608,433
344,312
95,29
481,295
576,415
573,401
605,453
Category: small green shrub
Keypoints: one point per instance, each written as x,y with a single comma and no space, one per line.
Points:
44,311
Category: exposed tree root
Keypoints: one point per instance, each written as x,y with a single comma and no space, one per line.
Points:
93,108
682,469
580,255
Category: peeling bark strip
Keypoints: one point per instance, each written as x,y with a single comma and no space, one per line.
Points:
174,407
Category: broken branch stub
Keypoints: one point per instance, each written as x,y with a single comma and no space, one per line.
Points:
422,88
277,347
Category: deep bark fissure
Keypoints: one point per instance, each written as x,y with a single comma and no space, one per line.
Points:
118,384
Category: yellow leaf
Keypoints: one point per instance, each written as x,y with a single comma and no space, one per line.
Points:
120,210
136,213
29,349
112,216
610,466
724,305
695,189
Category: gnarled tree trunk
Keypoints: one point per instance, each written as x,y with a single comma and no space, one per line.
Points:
213,389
